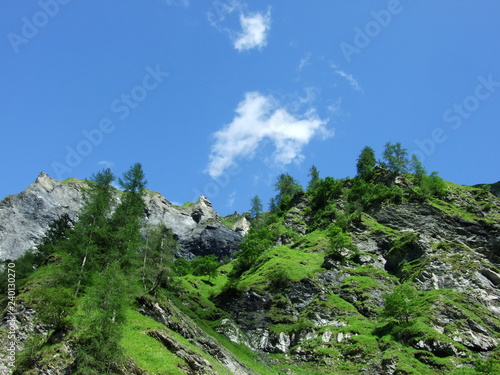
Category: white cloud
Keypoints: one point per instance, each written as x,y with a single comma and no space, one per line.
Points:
304,62
106,163
254,26
258,119
255,31
349,78
184,3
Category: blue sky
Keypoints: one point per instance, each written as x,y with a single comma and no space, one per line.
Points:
220,97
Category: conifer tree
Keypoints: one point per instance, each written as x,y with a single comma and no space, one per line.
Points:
366,163
314,178
90,238
396,158
158,258
126,220
418,169
287,187
256,207
100,323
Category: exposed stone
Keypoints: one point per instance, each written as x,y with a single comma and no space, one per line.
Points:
175,320
242,226
25,217
196,363
327,336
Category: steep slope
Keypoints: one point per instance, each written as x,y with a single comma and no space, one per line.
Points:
322,311
25,217
379,280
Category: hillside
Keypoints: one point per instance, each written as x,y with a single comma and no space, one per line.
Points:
385,273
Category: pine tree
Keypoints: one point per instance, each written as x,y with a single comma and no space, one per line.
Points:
314,178
256,207
100,323
287,187
366,163
88,242
418,169
158,258
396,158
126,220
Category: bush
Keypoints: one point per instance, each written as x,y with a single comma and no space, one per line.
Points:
322,198
339,242
53,305
205,266
430,186
402,304
182,267
280,279
254,244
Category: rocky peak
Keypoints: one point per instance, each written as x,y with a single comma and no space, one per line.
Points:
45,182
25,217
202,211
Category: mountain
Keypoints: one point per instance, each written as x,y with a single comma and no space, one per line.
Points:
350,277
493,188
25,217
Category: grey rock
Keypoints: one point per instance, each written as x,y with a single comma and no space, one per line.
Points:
174,319
25,217
242,226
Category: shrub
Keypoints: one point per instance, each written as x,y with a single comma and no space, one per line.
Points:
53,305
205,266
402,304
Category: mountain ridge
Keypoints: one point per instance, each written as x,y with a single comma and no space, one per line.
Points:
347,277
24,217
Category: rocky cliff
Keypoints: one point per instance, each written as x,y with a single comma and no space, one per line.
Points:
25,217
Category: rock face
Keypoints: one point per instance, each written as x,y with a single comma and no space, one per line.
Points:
173,319
242,226
25,217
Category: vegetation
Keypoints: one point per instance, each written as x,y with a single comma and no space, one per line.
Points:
324,300
366,163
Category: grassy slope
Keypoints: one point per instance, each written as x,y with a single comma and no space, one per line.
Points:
303,260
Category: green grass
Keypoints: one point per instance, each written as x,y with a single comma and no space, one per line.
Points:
240,352
230,220
375,226
298,265
315,241
186,205
149,354
451,209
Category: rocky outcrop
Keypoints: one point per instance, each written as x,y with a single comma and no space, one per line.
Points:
175,320
25,217
242,226
198,228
